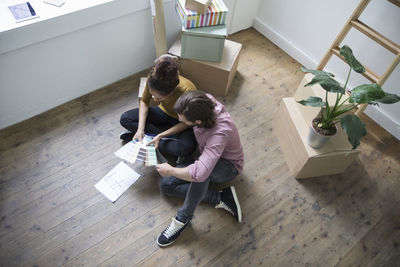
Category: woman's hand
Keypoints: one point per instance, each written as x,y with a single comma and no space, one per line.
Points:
139,135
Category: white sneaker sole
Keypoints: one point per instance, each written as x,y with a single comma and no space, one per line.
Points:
239,211
165,245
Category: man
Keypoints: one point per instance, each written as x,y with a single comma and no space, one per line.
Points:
221,159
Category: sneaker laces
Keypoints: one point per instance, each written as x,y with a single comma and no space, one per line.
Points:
172,229
180,160
225,207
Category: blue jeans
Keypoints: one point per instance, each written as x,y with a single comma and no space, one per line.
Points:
194,193
182,144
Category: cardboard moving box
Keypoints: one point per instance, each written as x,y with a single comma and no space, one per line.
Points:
291,128
212,77
199,6
205,43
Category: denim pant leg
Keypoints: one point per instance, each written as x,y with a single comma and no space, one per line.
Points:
183,144
224,171
156,119
174,187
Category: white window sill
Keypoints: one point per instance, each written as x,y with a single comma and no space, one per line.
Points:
44,10
55,21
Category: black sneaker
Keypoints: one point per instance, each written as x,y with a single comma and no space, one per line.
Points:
230,202
127,135
171,233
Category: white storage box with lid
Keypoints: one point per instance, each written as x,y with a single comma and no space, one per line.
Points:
204,43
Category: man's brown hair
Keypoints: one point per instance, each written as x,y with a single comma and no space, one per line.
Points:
195,105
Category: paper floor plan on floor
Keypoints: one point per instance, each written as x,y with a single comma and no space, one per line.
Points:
121,177
117,181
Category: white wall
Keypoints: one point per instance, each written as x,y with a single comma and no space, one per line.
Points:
306,29
241,14
56,58
49,63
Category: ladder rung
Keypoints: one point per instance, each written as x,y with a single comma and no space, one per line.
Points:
370,75
376,36
395,2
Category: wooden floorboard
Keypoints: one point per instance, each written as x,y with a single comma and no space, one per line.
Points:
51,214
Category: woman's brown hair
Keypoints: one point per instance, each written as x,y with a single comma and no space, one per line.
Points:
164,76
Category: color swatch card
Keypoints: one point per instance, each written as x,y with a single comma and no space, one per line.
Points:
117,181
138,151
128,152
151,156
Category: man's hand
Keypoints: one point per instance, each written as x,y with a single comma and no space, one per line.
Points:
156,141
164,169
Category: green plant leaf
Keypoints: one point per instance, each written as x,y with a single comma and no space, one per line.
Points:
373,103
326,82
312,101
365,93
388,99
346,52
317,72
354,128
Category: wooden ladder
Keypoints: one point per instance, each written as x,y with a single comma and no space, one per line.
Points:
354,22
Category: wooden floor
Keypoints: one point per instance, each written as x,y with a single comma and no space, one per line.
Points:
52,215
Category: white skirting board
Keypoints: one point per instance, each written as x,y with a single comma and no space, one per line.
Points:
373,112
284,44
383,120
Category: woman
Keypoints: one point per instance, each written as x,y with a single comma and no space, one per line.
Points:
165,86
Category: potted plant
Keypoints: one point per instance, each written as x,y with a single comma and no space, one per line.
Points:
324,125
